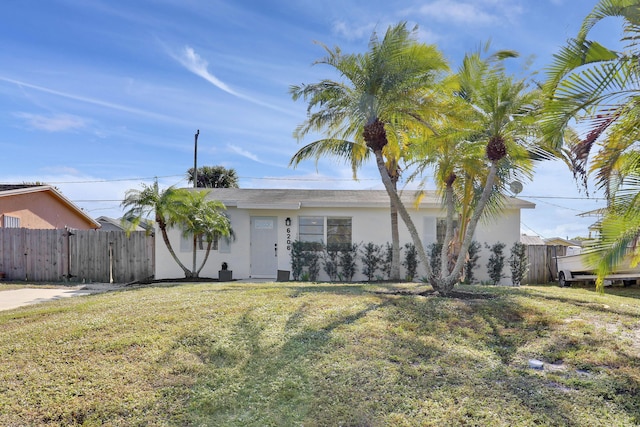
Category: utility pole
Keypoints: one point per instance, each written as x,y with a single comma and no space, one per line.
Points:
195,160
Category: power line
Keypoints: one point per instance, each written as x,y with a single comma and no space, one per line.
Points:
94,181
595,199
112,180
298,179
309,179
531,229
559,206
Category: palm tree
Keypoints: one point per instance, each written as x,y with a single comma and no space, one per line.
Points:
214,177
595,88
477,152
165,206
203,219
175,207
381,98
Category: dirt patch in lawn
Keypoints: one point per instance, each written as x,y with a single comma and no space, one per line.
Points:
432,294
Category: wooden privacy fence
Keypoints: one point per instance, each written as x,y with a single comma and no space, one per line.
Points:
542,263
75,255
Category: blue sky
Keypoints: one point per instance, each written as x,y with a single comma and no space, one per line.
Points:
98,96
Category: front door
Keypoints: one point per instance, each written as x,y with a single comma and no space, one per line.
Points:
264,246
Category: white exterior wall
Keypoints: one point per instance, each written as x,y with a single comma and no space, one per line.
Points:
368,225
505,229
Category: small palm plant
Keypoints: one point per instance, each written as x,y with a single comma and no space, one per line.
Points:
189,210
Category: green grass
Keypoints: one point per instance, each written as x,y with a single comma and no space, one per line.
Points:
294,354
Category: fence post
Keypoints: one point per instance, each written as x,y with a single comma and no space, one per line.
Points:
67,236
110,262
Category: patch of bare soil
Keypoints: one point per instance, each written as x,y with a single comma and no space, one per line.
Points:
151,281
455,294
98,288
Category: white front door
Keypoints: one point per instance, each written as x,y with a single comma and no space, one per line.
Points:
264,246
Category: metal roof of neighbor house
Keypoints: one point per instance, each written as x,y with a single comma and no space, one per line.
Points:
7,190
532,240
559,241
258,198
116,224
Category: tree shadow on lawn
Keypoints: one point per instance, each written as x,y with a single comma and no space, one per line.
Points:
266,382
590,305
632,291
435,344
506,328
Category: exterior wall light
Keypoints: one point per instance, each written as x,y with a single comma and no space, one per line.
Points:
287,222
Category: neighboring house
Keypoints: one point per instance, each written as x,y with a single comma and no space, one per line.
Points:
267,221
532,240
40,207
551,241
594,229
559,241
113,224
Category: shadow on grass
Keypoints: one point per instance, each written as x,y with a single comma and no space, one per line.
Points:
590,305
269,382
504,327
632,291
431,347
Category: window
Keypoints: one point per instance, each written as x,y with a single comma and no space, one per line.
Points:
186,243
441,228
312,230
10,221
338,231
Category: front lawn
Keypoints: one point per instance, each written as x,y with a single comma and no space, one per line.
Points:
293,354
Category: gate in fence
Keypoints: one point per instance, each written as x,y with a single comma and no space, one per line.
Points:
542,263
76,255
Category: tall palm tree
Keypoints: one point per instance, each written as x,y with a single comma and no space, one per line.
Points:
380,100
214,177
596,88
478,151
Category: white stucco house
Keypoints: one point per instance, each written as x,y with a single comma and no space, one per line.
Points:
267,221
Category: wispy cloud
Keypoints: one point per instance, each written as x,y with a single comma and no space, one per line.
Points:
461,13
53,123
486,12
339,179
193,62
249,155
351,32
198,66
244,153
67,171
88,100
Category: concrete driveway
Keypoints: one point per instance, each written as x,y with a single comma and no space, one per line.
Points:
18,297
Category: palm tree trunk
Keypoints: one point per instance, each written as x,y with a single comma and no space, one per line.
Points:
394,273
194,273
448,236
446,283
165,238
404,214
206,256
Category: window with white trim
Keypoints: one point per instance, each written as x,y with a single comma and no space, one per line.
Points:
338,231
311,229
319,229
